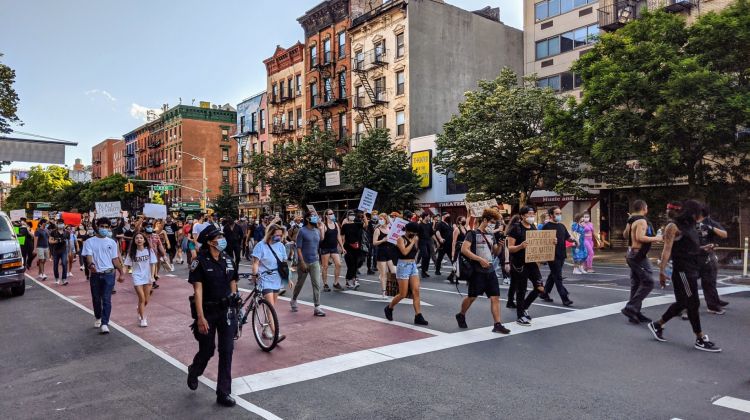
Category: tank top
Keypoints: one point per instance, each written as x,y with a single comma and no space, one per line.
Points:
686,249
384,245
645,247
330,237
461,234
411,254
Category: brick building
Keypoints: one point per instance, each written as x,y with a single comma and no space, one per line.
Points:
250,137
285,99
119,159
102,158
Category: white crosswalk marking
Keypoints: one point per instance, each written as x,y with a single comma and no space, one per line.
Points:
734,404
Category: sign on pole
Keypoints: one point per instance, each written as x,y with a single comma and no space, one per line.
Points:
157,211
476,208
367,202
108,209
311,208
396,230
333,178
541,245
17,214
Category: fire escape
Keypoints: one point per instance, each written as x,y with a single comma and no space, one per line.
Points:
363,64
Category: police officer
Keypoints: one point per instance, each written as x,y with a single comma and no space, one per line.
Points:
214,279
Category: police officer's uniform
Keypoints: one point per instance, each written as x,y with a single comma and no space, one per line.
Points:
709,263
216,276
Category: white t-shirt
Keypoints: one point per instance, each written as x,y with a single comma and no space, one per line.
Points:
102,251
141,266
197,229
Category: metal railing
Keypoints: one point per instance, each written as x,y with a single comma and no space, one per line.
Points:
368,60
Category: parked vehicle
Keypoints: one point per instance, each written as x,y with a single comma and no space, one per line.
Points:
12,270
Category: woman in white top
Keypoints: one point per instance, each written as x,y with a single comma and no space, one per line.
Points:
142,261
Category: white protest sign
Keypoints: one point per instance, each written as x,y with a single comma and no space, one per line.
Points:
311,208
367,202
476,208
396,230
108,209
157,211
17,214
37,215
333,178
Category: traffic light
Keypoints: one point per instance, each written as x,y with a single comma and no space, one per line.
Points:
129,187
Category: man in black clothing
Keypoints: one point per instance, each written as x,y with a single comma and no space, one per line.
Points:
709,232
372,224
640,235
522,272
425,237
233,235
171,229
556,265
444,236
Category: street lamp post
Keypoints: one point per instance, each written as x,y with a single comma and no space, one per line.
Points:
204,196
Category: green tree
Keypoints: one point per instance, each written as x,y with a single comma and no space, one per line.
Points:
8,98
41,186
72,197
225,204
295,170
112,188
501,143
156,198
376,164
657,111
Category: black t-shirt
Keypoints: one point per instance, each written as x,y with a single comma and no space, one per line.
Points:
446,232
352,232
425,232
61,238
562,235
171,229
706,233
518,232
216,275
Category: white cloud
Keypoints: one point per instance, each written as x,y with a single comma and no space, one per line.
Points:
100,92
139,111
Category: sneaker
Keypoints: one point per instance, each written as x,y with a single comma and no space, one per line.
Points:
388,313
642,318
348,285
684,316
510,304
385,295
81,268
267,333
64,282
144,323
318,312
526,314
523,321
506,282
326,288
657,331
104,329
98,323
293,304
282,292
437,273
716,311
155,286
568,303
425,275
461,319
419,320
370,272
355,286
577,271
632,316
545,297
57,282
706,345
338,287
723,303
500,328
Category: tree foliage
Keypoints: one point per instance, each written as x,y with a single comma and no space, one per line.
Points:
41,186
670,98
376,164
295,171
8,98
501,144
225,204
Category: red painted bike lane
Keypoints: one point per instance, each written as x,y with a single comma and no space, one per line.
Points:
309,338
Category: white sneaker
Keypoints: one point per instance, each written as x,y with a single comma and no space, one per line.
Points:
81,268
97,323
57,282
267,333
717,311
293,304
104,329
577,271
144,323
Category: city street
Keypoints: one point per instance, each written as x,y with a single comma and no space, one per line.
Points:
585,361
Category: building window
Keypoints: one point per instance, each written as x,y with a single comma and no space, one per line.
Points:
358,134
400,82
313,94
380,51
255,148
360,100
281,89
283,121
380,121
328,124
299,117
290,89
313,56
262,121
400,45
562,82
327,89
274,93
299,84
342,125
327,51
567,41
551,8
359,60
262,146
225,176
380,88
342,85
253,121
225,155
400,123
242,124
290,120
342,43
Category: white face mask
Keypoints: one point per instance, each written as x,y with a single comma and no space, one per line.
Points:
351,218
530,220
490,228
586,218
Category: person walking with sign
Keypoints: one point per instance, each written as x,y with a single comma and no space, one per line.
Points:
522,272
214,279
407,273
555,266
479,248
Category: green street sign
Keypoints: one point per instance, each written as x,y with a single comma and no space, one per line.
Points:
43,205
163,187
189,205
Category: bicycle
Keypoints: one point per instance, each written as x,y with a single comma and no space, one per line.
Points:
265,322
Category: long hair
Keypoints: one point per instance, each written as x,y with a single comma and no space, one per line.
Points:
691,209
513,220
133,250
270,231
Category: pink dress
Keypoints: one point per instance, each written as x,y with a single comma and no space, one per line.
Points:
588,229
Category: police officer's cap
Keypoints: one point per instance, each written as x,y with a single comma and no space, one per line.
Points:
209,233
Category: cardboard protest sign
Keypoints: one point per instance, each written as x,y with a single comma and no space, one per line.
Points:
367,202
108,209
311,208
71,219
156,211
37,215
541,245
17,214
396,230
476,208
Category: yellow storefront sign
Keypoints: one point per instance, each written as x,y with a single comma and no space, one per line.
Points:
421,164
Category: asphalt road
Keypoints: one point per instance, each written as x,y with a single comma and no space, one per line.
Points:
580,362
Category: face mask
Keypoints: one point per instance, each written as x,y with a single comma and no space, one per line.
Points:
149,230
221,244
381,222
277,238
490,228
104,232
314,220
530,220
462,222
351,218
558,218
586,219
90,232
61,226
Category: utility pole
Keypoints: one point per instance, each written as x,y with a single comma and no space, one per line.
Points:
204,190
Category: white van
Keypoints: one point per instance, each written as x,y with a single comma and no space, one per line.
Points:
12,270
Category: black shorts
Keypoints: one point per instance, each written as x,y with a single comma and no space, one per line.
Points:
484,284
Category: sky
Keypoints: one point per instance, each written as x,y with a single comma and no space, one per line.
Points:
87,70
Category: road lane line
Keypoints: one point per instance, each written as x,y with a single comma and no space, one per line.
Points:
734,404
169,359
380,298
332,365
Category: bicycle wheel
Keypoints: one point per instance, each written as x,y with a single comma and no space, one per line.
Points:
265,325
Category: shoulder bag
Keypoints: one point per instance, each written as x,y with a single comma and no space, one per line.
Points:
281,266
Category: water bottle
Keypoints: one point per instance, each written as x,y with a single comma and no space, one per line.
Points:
659,232
668,272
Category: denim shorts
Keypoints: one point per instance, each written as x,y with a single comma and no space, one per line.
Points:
405,270
327,251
